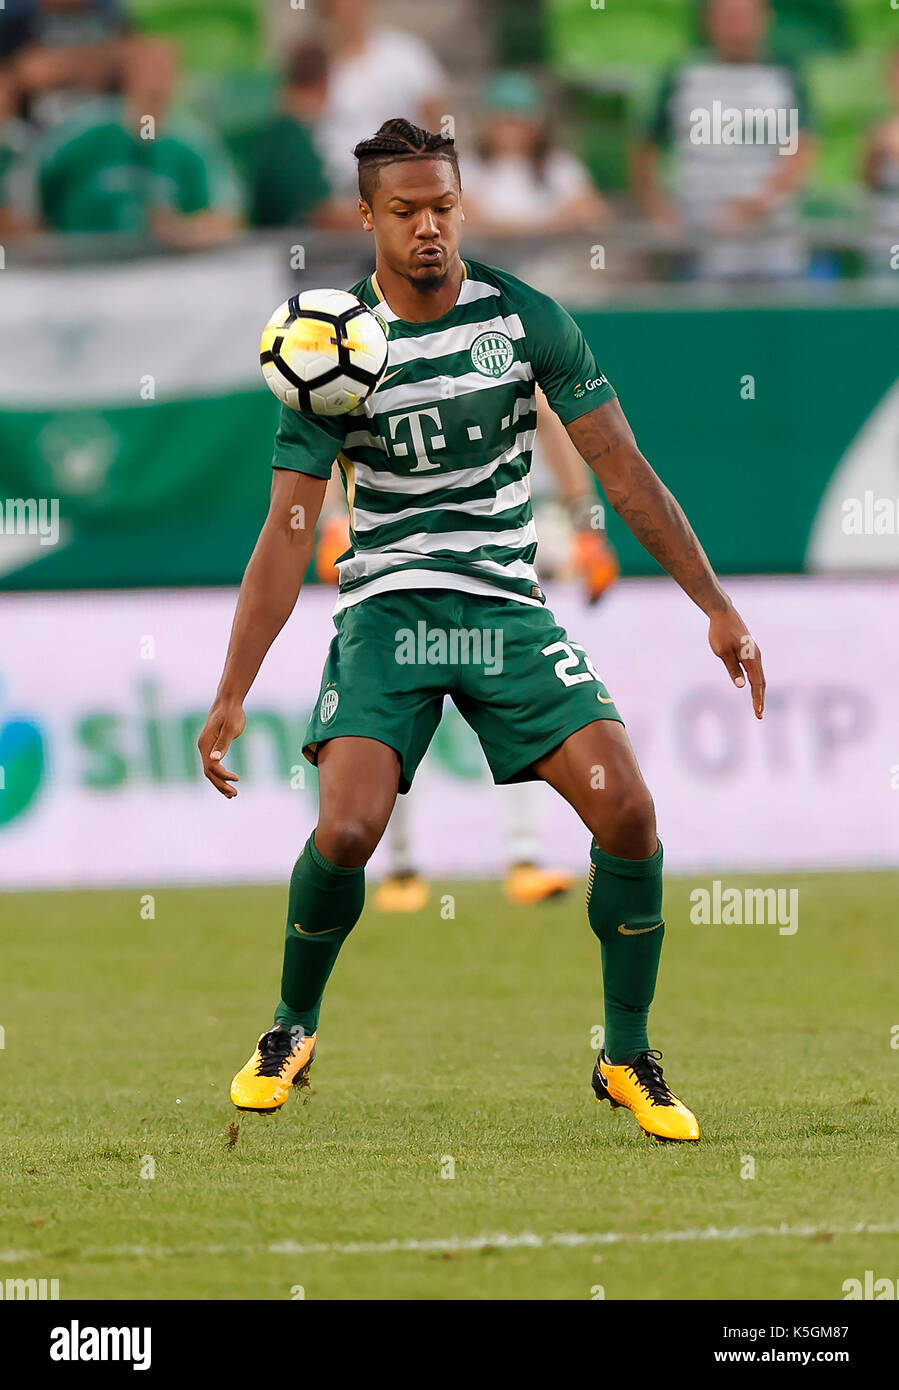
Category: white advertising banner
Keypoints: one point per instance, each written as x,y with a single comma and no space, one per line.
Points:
102,697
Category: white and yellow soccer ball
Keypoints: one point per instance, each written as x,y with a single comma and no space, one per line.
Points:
323,352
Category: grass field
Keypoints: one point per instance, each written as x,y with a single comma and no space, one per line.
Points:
466,1039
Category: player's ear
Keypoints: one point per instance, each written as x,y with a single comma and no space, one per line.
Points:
365,214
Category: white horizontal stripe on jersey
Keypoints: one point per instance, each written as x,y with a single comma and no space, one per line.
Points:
458,339
428,543
366,566
382,480
514,494
430,579
429,391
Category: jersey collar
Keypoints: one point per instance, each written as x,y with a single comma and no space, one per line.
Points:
384,308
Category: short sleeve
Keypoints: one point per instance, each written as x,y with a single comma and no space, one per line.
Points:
308,443
563,364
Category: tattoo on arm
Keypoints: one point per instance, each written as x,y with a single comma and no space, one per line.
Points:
606,442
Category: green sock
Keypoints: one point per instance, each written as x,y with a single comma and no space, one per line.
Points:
624,907
324,905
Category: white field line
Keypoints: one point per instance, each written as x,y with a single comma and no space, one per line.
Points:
527,1240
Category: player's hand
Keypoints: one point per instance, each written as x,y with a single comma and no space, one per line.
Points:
595,563
224,724
729,638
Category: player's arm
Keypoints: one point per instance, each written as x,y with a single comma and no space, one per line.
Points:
604,439
268,593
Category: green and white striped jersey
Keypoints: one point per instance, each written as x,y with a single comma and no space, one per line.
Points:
435,463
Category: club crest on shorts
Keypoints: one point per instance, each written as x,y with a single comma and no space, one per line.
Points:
492,354
328,707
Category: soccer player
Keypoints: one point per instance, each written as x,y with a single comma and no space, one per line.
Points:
435,465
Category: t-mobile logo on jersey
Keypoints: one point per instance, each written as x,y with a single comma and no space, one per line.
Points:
420,445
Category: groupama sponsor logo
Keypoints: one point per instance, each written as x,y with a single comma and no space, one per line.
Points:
589,385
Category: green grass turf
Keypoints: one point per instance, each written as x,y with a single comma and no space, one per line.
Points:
467,1037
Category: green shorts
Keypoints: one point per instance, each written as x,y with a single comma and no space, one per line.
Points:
508,667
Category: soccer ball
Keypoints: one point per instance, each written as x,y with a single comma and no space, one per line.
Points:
323,352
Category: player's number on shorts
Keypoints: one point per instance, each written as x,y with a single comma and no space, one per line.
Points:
573,655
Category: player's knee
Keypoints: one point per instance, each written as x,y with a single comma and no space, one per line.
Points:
348,842
631,829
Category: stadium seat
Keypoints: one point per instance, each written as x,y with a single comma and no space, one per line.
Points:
847,94
589,41
211,35
873,24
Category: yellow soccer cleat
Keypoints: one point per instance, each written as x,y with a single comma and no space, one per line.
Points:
528,883
282,1059
639,1086
402,893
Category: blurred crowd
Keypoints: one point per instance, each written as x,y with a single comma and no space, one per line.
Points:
96,137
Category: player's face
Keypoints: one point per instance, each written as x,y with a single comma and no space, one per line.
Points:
416,216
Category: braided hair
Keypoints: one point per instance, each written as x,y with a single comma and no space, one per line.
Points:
399,139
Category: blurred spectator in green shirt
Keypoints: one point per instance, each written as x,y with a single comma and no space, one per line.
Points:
288,181
126,165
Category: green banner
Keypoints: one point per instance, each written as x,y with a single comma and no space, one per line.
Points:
763,421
